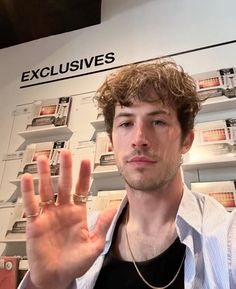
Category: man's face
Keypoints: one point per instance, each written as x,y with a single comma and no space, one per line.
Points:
147,144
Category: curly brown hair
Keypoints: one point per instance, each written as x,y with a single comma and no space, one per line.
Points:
172,85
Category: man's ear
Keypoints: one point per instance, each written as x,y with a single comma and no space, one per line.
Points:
111,143
187,143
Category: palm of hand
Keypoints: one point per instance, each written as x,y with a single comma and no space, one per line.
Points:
59,245
63,242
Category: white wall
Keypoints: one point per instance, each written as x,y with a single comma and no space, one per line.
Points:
134,30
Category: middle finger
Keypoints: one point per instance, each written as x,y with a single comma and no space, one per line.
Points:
45,185
65,180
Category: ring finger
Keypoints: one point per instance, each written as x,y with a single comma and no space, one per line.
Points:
82,185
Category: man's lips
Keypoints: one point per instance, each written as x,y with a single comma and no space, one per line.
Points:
141,159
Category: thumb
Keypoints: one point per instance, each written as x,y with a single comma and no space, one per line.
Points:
103,223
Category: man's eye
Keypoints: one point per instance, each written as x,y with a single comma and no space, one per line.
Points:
158,122
125,124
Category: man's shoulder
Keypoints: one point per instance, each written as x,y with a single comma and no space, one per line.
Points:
203,203
203,213
209,206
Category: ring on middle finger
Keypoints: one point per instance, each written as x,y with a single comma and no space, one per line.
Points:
46,203
80,198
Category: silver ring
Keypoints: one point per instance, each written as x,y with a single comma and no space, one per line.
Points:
33,215
80,198
46,203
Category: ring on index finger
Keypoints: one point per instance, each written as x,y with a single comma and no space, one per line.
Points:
80,199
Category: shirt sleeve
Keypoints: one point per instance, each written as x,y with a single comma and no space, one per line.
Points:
25,280
232,250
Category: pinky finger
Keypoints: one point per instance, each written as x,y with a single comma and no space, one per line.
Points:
27,189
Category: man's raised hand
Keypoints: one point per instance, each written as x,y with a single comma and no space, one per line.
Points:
59,244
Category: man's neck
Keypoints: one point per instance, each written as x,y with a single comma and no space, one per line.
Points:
150,221
155,208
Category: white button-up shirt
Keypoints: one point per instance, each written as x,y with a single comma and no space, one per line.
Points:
209,233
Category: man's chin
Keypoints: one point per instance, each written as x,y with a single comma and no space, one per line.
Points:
142,184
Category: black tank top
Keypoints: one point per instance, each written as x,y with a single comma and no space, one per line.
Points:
158,271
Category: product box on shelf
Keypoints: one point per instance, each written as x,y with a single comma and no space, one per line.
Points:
104,157
222,191
221,82
107,199
49,113
49,149
17,225
214,139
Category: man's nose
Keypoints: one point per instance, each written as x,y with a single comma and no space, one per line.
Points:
140,137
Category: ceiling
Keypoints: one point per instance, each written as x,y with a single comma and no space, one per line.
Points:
26,20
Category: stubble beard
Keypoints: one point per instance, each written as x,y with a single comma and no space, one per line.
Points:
145,182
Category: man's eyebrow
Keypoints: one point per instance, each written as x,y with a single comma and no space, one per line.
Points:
159,111
151,113
124,114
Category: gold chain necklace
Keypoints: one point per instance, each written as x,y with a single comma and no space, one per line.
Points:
136,267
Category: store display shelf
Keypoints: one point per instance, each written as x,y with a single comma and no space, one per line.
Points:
218,104
227,162
105,173
12,240
13,237
4,205
98,124
46,132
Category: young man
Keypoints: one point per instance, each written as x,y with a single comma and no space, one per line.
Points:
163,236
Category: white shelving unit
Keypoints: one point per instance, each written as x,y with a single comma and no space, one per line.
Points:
105,173
16,242
98,125
45,132
105,177
221,167
218,104
229,162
